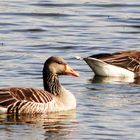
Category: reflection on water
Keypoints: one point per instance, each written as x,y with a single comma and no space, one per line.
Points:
115,80
32,31
53,126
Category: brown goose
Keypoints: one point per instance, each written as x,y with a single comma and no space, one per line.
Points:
119,64
53,98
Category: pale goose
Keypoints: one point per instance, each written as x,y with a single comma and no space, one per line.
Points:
53,98
119,64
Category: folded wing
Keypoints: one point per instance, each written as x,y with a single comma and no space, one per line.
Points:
16,99
129,60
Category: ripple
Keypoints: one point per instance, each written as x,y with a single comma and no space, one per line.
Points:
86,5
57,5
7,24
36,14
114,5
30,30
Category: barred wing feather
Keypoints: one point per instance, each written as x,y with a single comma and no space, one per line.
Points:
26,100
126,59
125,62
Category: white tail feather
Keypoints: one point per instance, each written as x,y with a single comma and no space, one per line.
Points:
3,110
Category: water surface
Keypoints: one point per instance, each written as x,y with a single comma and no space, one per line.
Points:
32,31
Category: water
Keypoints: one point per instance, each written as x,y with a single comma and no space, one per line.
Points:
31,31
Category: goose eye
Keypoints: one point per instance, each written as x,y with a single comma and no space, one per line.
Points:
59,62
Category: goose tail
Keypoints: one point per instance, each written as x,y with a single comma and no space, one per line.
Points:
3,110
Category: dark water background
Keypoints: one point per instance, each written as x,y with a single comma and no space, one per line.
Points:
31,31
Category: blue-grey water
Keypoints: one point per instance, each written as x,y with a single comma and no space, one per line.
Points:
33,30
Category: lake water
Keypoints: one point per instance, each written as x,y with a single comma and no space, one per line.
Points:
32,31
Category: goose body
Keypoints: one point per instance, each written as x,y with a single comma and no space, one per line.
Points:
119,64
53,98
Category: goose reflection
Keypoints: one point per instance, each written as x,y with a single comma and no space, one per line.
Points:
51,126
119,96
116,80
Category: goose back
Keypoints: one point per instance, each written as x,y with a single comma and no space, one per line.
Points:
129,60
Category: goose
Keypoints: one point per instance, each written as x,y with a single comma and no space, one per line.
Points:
118,64
53,98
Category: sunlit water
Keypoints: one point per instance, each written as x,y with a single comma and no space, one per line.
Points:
31,31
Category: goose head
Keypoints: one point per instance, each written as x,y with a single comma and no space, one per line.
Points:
58,66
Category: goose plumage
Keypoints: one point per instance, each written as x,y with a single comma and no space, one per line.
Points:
119,64
53,98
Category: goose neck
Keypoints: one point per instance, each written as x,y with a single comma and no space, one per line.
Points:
51,83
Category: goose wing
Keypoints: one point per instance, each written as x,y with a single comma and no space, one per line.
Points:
126,59
12,98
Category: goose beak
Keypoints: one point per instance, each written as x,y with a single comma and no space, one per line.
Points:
70,71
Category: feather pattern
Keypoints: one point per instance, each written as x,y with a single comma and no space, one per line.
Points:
129,60
25,100
51,84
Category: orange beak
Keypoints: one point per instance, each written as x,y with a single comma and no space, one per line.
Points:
70,71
